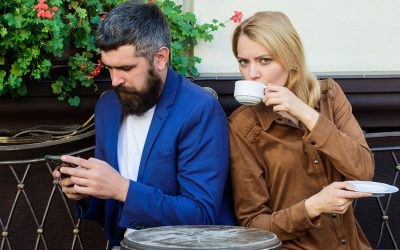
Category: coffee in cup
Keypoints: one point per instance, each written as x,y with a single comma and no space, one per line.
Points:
249,92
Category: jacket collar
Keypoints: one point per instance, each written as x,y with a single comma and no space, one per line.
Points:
169,92
265,116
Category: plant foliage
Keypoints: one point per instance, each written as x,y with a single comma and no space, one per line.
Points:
34,35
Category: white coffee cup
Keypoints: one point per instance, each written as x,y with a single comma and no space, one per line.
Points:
249,92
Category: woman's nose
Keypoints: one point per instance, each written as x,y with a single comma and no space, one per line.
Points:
254,72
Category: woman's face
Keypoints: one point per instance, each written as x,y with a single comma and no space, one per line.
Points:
256,64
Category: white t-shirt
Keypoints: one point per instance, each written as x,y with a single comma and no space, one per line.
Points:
131,138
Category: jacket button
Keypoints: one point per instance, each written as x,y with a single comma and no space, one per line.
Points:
343,242
316,161
333,216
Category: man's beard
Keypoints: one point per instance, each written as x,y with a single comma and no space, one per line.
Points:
135,102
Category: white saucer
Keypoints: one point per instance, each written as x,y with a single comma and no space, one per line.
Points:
376,188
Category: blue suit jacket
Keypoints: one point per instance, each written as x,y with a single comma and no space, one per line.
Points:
184,167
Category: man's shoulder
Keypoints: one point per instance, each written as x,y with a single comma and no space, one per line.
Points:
107,101
107,97
194,95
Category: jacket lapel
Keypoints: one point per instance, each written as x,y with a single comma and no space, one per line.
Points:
115,119
160,115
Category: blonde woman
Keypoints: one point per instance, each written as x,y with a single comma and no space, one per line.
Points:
291,154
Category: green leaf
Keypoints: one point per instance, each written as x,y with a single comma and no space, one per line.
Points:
35,51
14,20
46,63
72,18
23,63
91,2
57,87
24,34
2,76
56,3
14,81
87,82
81,12
74,101
3,32
2,58
22,90
16,70
36,74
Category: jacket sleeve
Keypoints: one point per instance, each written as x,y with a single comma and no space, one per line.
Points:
251,195
93,208
202,169
352,158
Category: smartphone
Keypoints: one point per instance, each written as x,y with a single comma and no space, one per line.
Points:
56,160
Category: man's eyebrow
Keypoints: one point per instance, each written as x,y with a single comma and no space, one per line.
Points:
119,67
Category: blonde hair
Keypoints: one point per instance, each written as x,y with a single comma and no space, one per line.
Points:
275,31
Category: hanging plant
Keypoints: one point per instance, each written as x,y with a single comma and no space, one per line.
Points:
36,35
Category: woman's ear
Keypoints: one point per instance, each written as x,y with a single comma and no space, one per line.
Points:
161,58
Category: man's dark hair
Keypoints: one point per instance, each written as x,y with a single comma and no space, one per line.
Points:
142,25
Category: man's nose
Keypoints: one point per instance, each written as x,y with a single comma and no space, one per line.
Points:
254,72
116,78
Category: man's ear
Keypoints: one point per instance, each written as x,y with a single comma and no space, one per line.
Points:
161,58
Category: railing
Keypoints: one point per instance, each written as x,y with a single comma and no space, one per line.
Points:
34,213
380,216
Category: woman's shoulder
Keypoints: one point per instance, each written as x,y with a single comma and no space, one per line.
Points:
329,88
242,112
243,116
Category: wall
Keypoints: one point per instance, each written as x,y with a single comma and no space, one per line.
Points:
338,36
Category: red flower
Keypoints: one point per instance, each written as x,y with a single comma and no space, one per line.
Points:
237,17
97,70
44,10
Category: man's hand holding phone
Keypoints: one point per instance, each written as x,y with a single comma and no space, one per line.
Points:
65,181
56,159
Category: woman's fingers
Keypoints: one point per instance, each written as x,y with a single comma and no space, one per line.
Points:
273,88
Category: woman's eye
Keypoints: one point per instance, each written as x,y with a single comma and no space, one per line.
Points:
265,60
242,62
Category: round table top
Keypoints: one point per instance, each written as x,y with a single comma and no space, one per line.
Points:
201,237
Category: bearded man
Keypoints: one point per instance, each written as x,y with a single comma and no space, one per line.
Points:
162,150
